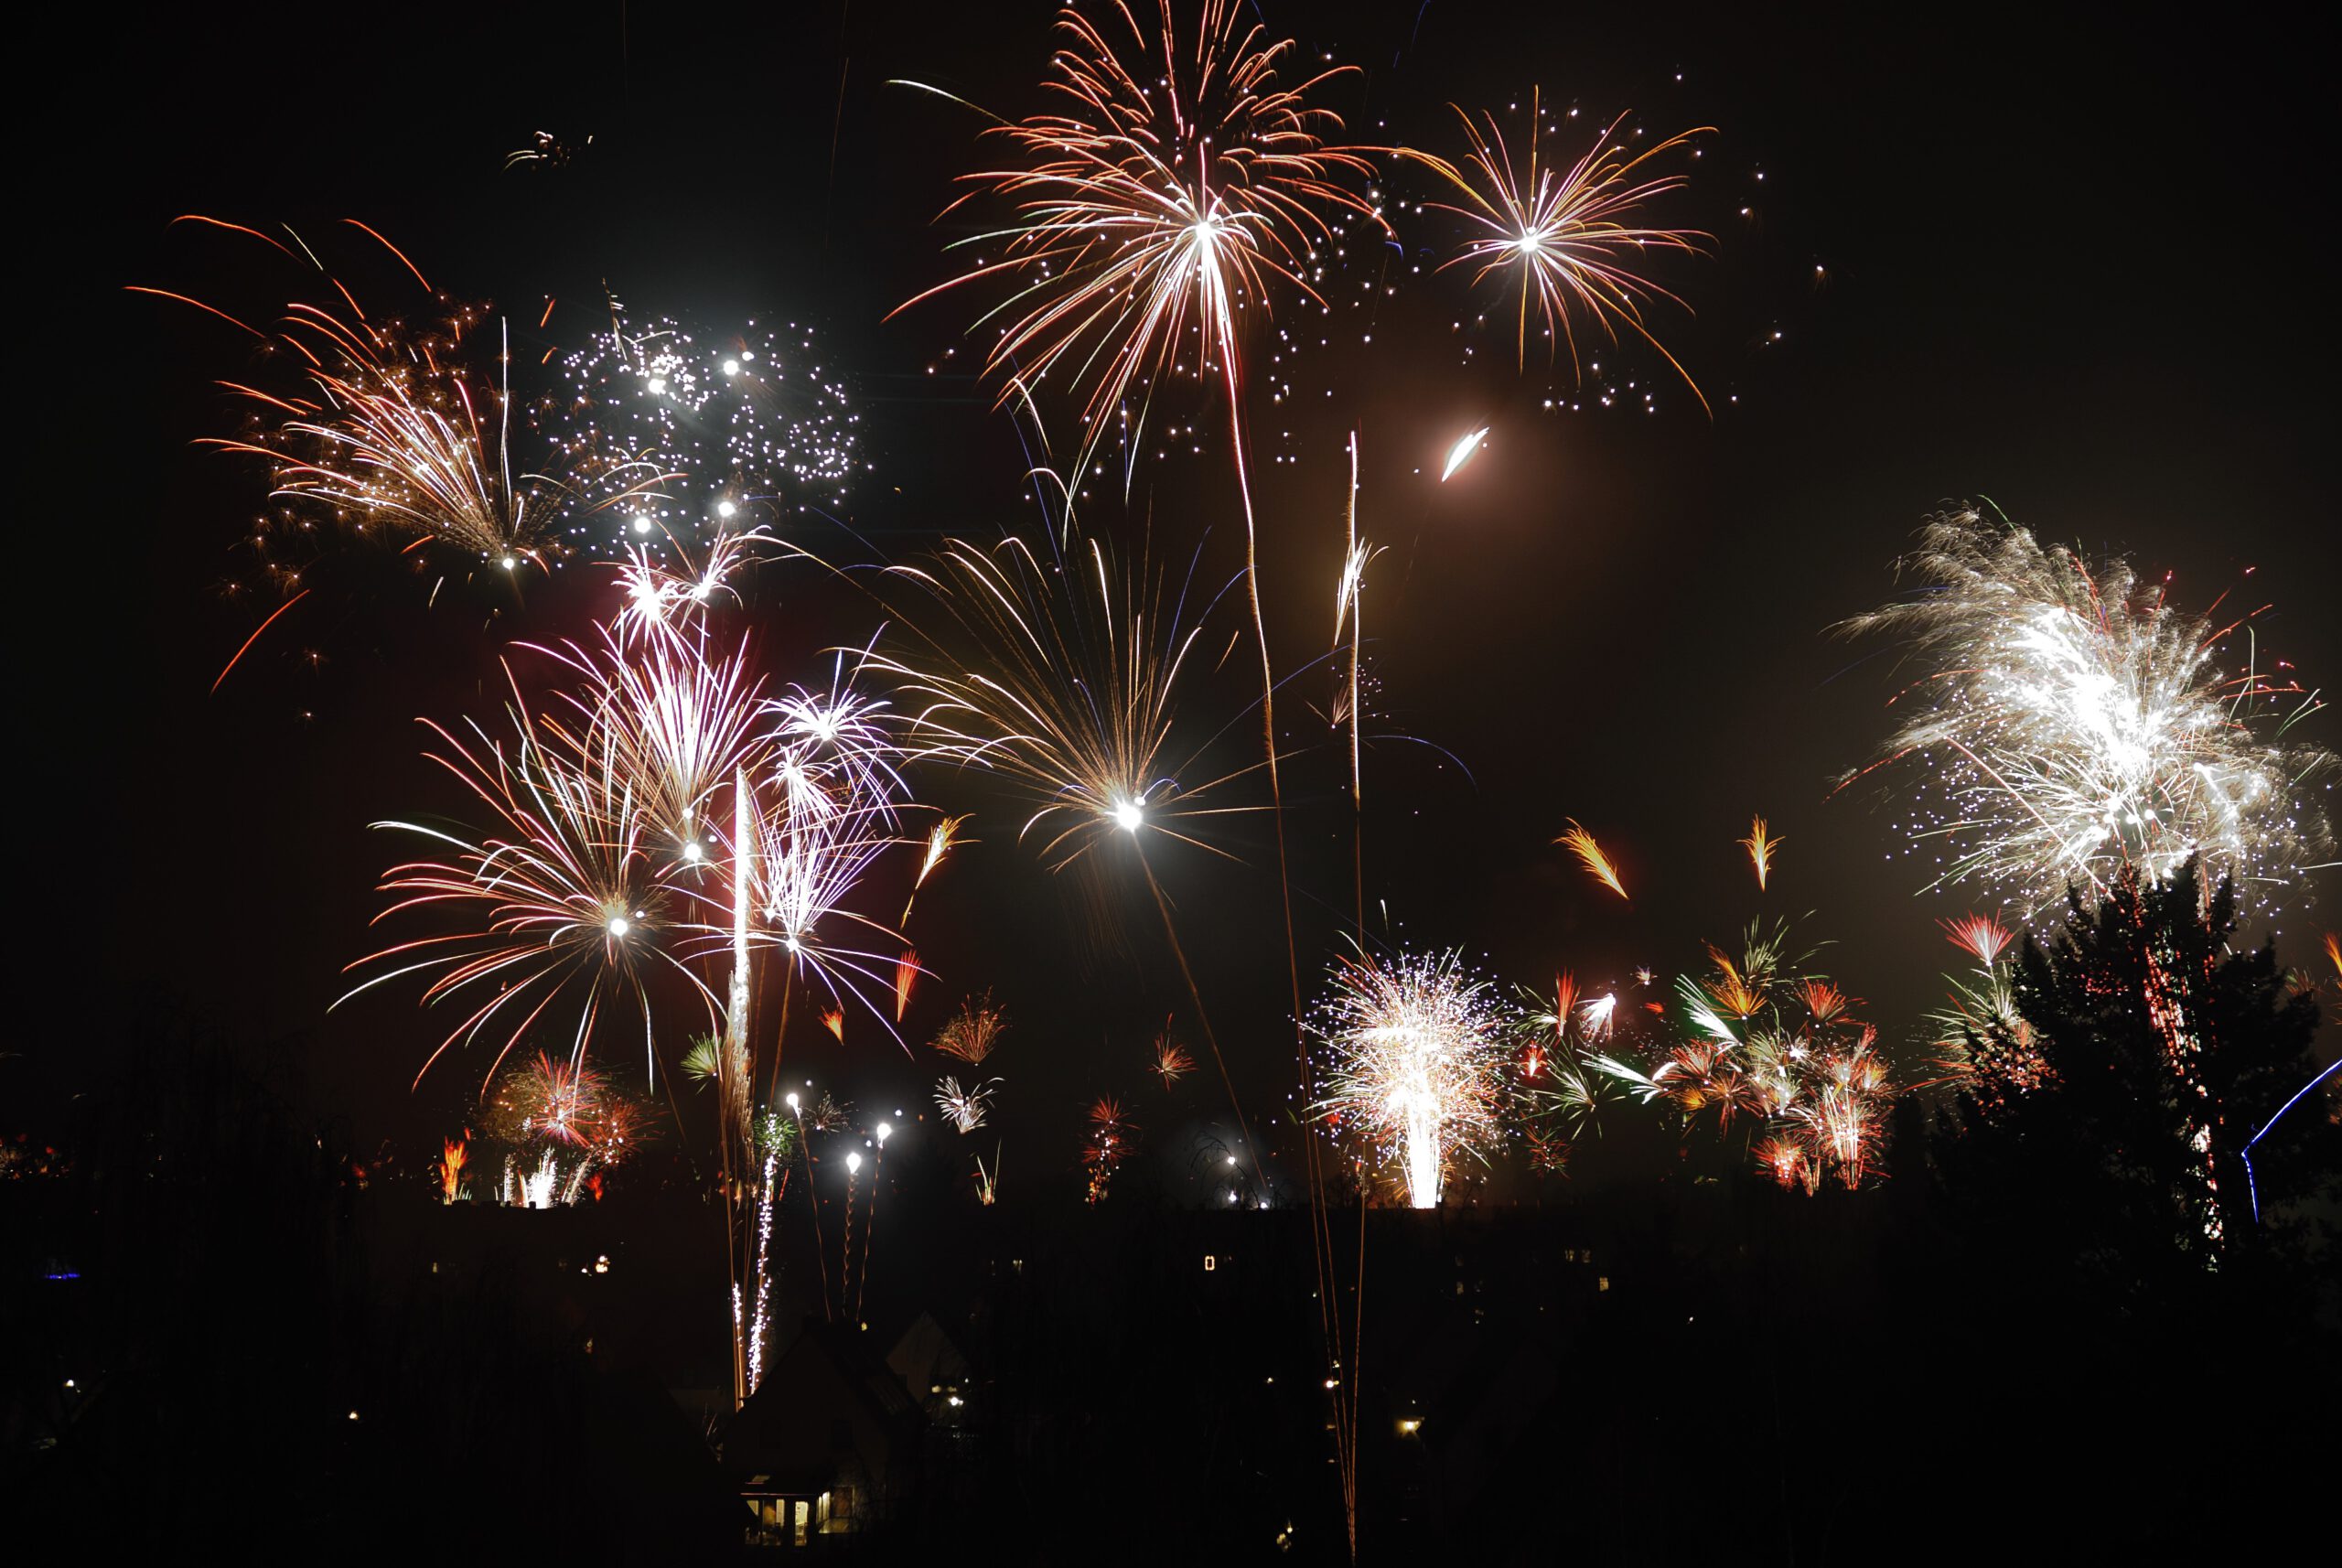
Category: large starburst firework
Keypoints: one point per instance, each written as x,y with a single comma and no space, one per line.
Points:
1176,186
2067,721
1567,231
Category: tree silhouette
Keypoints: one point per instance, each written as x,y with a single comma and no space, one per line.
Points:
2164,1052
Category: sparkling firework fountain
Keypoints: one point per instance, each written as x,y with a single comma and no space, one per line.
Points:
1414,1053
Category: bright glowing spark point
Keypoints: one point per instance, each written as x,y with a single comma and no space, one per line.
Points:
725,509
1128,816
853,1161
620,926
1461,453
883,1128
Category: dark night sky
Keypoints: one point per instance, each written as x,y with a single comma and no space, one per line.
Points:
2082,271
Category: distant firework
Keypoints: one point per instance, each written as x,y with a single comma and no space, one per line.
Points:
2066,722
966,1108
971,1032
1112,1136
1776,1044
1413,1051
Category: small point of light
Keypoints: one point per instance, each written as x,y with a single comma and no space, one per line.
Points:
853,1160
1129,816
691,852
883,1130
620,926
508,562
642,525
731,367
792,1098
725,509
657,386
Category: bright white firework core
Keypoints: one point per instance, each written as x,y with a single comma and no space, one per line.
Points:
1129,816
1461,453
619,924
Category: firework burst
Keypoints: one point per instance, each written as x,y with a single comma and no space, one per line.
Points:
1175,189
2069,722
1568,234
1414,1049
971,1033
1170,1060
1062,682
966,1108
569,902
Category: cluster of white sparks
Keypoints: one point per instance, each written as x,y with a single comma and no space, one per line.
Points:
743,429
2072,722
1414,1052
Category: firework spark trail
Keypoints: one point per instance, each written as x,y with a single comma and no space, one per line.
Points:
1760,850
1562,230
907,973
940,840
453,1156
1581,843
1415,1052
2070,721
1349,611
1466,446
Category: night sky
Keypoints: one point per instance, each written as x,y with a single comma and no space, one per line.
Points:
2081,271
